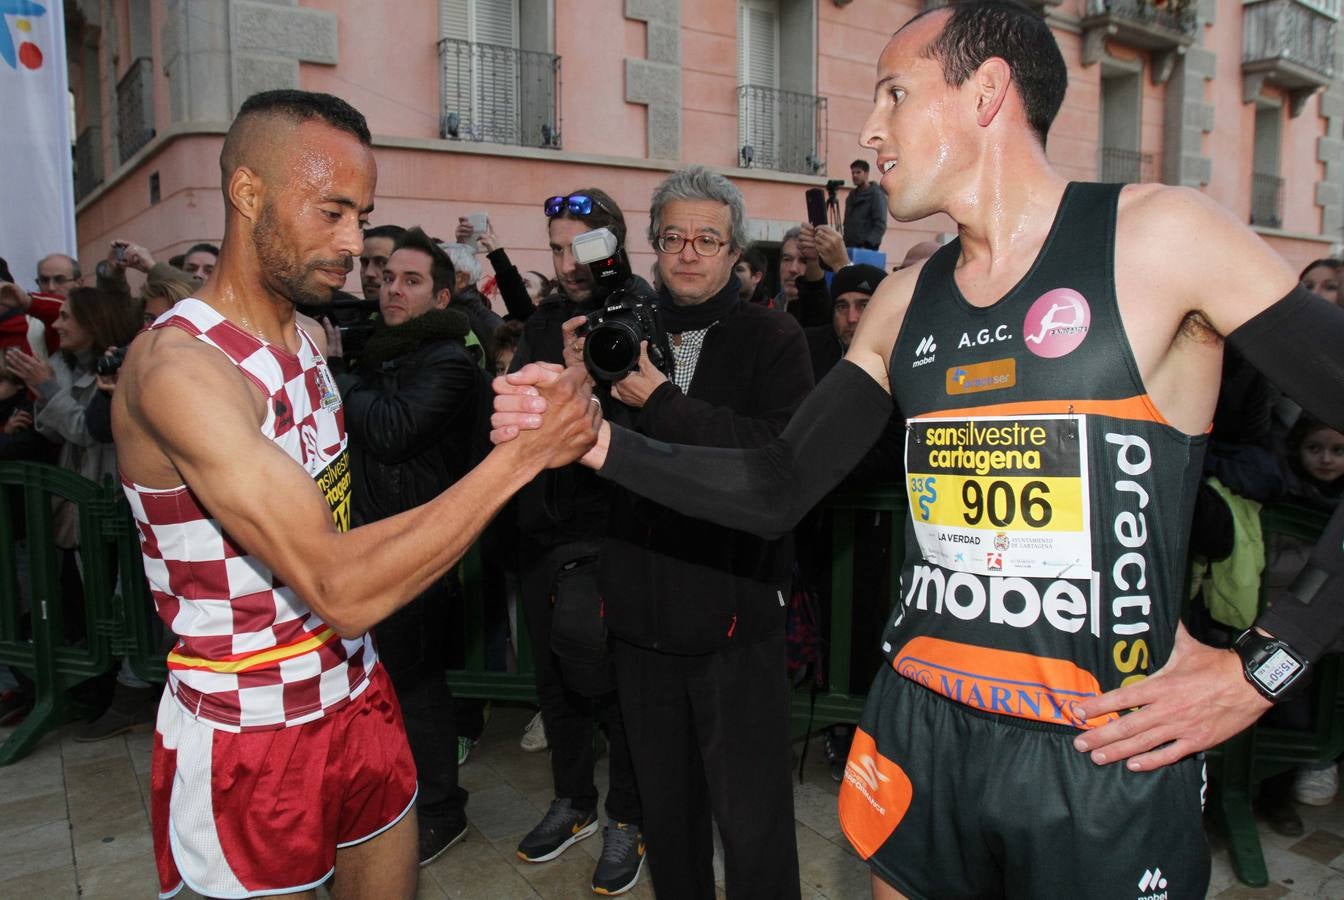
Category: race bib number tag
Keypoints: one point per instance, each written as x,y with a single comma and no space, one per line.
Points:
1001,496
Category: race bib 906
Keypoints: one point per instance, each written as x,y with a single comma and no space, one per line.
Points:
1001,496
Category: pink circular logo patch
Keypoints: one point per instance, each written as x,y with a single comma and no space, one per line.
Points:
1056,323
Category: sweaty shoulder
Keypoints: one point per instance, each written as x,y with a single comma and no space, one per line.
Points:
313,329
159,400
1177,248
876,336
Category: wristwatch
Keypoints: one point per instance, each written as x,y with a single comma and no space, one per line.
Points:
1271,666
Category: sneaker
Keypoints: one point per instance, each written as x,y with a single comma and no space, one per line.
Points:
534,735
562,826
622,859
131,708
464,745
835,745
435,839
1316,785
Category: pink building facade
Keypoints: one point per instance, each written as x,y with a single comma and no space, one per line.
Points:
493,105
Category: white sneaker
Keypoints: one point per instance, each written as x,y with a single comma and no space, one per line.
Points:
1316,786
534,735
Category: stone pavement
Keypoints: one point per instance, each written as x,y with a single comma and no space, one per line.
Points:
74,824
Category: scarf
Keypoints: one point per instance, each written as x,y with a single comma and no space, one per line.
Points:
391,341
677,319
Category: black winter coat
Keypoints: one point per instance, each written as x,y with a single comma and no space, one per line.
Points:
684,585
417,424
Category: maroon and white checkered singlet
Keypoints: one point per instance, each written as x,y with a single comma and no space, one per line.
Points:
250,654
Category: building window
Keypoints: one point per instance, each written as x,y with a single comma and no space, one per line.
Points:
1266,181
779,126
135,89
1121,97
494,88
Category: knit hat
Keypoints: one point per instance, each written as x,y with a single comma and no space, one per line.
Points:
857,277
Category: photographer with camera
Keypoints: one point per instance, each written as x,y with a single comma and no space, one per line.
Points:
696,611
865,209
562,518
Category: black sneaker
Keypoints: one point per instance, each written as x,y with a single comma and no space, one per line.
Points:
622,859
562,826
435,839
131,708
835,745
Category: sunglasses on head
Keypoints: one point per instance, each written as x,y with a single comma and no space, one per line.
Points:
575,204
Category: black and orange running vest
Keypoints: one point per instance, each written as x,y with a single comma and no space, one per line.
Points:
1050,502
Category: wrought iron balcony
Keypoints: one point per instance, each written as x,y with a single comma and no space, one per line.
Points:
1163,28
780,130
1040,6
1125,166
88,161
1289,43
1266,200
499,94
135,108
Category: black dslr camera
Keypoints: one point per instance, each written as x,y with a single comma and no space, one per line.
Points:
613,333
110,363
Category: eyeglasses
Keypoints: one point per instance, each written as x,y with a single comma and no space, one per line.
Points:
702,244
575,204
53,280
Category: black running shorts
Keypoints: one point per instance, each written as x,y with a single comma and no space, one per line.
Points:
946,801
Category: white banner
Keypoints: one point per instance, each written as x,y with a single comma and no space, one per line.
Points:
37,193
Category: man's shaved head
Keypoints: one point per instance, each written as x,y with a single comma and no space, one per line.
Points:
267,120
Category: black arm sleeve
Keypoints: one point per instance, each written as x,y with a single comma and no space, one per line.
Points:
767,490
1296,344
511,286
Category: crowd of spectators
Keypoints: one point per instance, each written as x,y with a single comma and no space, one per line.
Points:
691,698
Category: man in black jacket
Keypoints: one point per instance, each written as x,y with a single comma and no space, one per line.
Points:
696,611
416,413
865,210
562,517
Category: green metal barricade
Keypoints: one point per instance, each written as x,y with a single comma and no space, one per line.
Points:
1242,762
32,634
840,701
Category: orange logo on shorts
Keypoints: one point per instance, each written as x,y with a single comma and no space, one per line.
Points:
874,796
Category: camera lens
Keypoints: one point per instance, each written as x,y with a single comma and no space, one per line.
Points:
611,350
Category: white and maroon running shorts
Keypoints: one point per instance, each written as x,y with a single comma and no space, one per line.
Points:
247,814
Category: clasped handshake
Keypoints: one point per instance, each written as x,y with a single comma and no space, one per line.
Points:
551,408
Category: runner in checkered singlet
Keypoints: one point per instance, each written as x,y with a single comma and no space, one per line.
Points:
279,756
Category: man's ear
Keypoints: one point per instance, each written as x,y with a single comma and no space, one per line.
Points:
443,298
247,192
992,81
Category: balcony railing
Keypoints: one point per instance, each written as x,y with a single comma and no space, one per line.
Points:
135,108
1164,30
499,94
88,161
1039,6
1125,166
1177,16
1266,200
780,130
1289,43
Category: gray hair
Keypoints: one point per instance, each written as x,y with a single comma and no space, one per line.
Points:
464,260
699,183
791,235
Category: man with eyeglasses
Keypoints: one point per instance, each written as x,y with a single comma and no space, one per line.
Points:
57,274
562,518
696,611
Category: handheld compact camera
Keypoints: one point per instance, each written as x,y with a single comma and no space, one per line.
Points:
627,316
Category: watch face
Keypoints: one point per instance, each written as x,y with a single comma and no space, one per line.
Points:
1275,673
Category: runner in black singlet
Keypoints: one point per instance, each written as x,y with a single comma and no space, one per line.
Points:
1060,365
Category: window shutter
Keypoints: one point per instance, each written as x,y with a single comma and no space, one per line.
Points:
758,66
